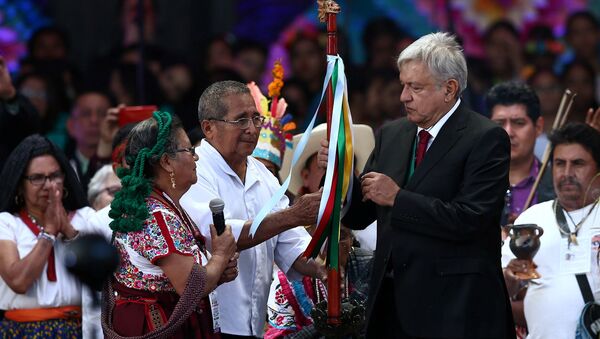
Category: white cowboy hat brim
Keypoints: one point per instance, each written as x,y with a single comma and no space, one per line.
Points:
364,142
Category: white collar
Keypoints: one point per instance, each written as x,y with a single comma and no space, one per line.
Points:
213,154
435,129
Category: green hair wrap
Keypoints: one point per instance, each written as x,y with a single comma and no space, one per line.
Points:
128,210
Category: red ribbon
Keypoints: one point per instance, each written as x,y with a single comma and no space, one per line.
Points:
51,271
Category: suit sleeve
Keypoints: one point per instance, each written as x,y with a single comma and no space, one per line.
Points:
478,202
362,214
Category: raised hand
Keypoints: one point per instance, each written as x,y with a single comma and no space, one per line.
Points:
55,214
323,154
108,129
593,118
7,90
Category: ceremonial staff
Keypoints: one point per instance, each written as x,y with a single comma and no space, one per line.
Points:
328,10
561,118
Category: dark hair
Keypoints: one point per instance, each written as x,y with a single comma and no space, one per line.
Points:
122,134
52,98
47,30
147,142
513,93
248,44
577,133
144,135
501,25
128,75
16,164
585,15
380,26
579,63
540,71
212,103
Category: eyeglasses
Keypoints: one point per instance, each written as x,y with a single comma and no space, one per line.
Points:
244,123
39,179
190,150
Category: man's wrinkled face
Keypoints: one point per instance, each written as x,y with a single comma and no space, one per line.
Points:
235,143
573,169
422,95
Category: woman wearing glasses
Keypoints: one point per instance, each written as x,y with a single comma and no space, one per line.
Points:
42,205
161,287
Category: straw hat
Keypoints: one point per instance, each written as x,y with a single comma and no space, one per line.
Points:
364,142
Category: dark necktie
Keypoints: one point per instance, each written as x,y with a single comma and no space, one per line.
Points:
422,146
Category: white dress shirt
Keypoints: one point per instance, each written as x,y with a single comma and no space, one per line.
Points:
243,302
435,129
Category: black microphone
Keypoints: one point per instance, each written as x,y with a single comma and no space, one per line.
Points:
216,207
92,259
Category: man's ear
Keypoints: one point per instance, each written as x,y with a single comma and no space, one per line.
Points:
208,129
451,89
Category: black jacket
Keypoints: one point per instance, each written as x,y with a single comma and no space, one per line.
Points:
442,236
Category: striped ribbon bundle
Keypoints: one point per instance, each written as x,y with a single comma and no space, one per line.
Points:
338,178
340,168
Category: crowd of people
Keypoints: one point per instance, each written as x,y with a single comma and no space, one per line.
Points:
448,151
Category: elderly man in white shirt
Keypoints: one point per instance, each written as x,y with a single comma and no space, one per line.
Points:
225,169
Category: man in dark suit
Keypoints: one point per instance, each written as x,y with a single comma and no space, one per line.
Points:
435,182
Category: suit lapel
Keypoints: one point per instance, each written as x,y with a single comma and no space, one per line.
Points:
448,136
404,142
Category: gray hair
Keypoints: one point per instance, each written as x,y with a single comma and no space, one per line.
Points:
442,55
212,104
144,135
98,183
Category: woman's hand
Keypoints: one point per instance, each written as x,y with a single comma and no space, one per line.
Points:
55,214
223,250
223,245
231,271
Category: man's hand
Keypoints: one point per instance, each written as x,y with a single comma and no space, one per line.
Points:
306,208
323,154
108,129
513,283
7,90
593,118
379,188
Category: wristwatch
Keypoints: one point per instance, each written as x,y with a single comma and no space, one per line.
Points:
47,236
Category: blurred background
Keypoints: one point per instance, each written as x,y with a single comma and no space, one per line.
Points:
166,52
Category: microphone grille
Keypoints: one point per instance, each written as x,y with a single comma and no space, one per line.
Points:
216,205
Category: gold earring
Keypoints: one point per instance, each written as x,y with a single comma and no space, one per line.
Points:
172,175
65,193
17,200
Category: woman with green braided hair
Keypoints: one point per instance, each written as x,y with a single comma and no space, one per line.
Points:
161,287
